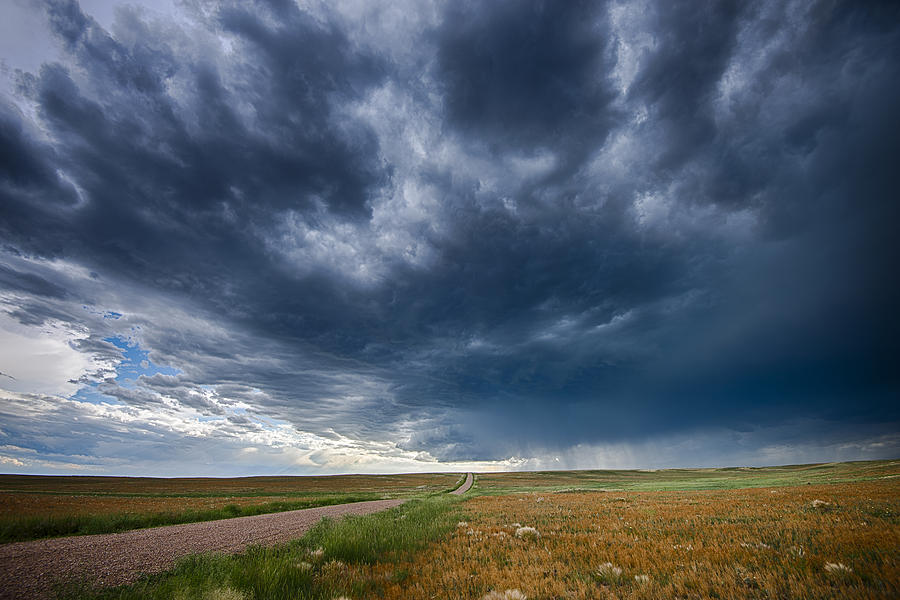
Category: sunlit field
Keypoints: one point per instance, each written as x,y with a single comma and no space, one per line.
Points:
837,538
34,506
823,541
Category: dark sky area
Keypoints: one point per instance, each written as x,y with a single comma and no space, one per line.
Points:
287,237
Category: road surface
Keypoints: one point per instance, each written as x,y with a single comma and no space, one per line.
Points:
465,486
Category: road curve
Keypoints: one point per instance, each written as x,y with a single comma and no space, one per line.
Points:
29,569
470,479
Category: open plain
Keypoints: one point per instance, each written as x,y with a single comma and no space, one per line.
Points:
805,531
808,541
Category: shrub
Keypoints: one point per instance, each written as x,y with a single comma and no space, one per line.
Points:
609,573
507,595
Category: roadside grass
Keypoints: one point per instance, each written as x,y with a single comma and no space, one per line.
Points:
322,565
22,528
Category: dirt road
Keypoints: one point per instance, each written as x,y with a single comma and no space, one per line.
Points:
29,569
470,479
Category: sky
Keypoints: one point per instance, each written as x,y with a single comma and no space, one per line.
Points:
278,237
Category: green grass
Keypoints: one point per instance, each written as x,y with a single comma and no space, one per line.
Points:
295,570
685,479
372,537
16,529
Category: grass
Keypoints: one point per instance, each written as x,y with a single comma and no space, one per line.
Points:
33,507
746,543
321,565
686,479
226,486
813,531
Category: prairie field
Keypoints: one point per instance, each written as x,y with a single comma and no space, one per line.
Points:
408,483
44,506
686,479
541,539
822,541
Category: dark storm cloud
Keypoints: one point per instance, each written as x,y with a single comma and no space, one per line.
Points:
527,74
631,222
29,283
694,45
191,162
27,173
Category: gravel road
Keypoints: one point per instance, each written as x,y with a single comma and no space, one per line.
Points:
29,569
465,486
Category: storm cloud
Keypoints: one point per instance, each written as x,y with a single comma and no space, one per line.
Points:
293,237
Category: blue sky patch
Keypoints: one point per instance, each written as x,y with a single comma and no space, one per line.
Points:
136,362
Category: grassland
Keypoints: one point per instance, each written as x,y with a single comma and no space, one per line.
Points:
686,479
809,531
33,507
745,543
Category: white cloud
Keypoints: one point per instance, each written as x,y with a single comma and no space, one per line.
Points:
41,360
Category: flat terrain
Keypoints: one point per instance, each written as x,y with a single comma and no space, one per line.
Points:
234,486
810,541
804,531
33,507
687,479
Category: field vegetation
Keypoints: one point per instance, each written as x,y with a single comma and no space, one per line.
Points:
810,541
408,484
815,531
686,479
33,507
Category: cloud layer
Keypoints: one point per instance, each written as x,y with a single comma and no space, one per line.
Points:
364,236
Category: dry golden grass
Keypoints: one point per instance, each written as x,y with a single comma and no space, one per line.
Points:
748,543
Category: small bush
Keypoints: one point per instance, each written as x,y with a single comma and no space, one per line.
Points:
225,593
837,568
609,573
507,595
